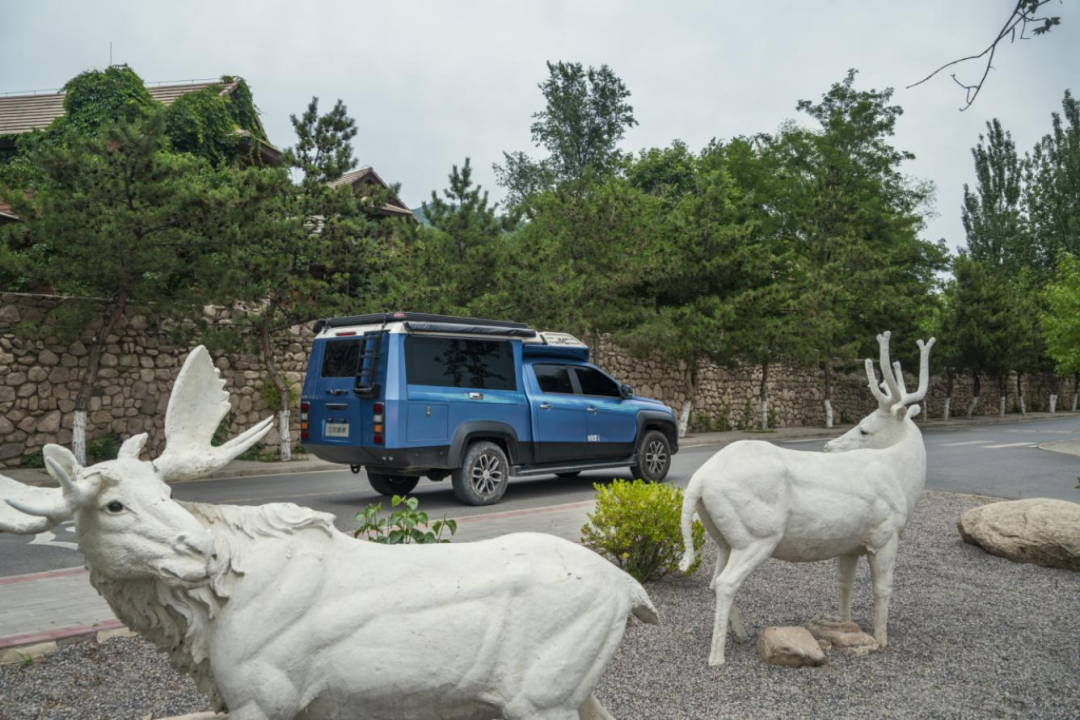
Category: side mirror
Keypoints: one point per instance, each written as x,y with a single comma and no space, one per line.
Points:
626,392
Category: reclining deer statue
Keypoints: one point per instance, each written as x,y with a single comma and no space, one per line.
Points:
277,614
759,501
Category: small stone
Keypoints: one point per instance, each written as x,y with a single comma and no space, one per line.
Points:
48,357
843,635
36,374
10,451
791,646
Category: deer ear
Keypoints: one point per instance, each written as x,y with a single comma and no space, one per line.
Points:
912,411
62,457
133,446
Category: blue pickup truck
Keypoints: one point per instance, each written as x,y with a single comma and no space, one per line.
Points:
406,395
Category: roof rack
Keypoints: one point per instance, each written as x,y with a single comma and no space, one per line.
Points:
383,318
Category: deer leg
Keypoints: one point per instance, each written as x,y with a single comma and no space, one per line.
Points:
722,552
740,564
846,566
881,572
593,710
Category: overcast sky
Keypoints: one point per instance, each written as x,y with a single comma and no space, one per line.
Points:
430,83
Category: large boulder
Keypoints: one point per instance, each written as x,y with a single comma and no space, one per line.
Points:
1040,530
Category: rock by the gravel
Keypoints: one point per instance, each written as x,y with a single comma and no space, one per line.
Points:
843,635
1038,530
791,646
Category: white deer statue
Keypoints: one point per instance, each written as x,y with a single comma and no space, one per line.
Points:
758,501
277,614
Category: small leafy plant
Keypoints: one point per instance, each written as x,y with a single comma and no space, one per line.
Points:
636,524
406,525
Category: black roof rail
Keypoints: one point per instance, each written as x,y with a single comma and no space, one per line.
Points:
382,318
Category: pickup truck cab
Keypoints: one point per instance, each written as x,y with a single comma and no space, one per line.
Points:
407,395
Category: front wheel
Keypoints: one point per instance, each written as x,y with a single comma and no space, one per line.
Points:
653,457
483,475
390,485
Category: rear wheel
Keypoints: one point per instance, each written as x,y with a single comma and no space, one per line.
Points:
483,475
653,457
391,485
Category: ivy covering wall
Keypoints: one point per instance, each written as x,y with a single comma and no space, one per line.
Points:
202,123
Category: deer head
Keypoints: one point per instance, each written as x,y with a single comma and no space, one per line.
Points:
896,406
128,526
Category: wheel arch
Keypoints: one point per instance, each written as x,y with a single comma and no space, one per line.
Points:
469,432
654,420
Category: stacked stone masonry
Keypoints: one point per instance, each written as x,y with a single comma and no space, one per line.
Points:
39,379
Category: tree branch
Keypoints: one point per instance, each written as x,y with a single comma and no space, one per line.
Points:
1022,14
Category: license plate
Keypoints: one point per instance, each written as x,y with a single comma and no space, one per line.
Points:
337,430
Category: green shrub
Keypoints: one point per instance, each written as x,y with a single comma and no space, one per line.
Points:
272,397
403,526
102,448
636,524
37,460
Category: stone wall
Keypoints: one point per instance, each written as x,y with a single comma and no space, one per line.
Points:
39,379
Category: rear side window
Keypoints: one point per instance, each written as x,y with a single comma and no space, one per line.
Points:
454,362
554,379
340,358
594,382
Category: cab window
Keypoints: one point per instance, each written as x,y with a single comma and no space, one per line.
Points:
554,379
460,363
594,382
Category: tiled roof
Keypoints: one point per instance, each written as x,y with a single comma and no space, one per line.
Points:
23,113
368,175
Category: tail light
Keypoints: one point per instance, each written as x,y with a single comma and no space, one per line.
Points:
378,422
304,433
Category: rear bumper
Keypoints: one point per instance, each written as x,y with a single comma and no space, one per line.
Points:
418,459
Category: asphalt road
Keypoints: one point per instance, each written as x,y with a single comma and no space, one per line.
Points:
997,460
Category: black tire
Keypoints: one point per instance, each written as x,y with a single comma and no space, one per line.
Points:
653,457
483,475
571,474
391,485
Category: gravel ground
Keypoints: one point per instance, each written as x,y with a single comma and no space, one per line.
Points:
971,636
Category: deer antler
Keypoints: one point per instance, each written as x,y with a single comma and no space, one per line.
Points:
196,407
30,510
892,393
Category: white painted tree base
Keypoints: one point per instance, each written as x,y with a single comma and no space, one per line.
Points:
684,417
828,414
765,415
945,412
284,444
1053,404
972,406
78,436
1001,407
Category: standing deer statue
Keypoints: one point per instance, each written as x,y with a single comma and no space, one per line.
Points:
759,501
277,614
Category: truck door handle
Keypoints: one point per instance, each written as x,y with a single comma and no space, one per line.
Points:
476,396
592,411
336,392
545,406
